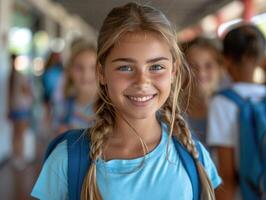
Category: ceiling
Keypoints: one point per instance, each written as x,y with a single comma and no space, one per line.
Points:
181,12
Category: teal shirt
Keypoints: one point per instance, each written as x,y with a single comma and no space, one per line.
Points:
159,178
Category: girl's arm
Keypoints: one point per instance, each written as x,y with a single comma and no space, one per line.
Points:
226,169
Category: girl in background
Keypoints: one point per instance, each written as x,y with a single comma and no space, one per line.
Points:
206,62
20,101
50,79
79,89
140,73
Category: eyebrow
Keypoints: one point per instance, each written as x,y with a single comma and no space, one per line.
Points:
134,61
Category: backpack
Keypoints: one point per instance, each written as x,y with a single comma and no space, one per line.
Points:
252,143
69,107
79,161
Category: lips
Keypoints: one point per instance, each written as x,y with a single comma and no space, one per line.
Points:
140,100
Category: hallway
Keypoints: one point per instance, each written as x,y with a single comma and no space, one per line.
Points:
17,184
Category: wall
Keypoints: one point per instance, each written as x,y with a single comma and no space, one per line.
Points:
5,131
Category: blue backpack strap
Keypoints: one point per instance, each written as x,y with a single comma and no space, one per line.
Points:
69,109
249,162
78,158
190,166
78,162
54,143
232,95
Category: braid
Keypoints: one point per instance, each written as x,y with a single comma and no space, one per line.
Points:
185,137
181,131
98,135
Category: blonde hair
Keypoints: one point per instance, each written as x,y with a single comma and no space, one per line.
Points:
78,47
133,17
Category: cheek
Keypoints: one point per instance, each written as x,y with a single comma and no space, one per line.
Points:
214,74
163,81
74,76
90,76
115,86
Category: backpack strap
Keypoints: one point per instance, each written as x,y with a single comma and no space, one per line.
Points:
78,158
69,109
190,166
53,144
233,96
78,162
250,166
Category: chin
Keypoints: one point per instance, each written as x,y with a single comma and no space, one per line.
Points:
140,115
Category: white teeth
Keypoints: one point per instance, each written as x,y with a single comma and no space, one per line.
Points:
141,99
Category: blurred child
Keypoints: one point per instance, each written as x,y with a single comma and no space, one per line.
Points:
20,101
50,79
79,89
52,72
206,61
243,48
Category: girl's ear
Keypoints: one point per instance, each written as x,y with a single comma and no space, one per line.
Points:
101,74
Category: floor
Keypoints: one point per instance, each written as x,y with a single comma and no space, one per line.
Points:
17,184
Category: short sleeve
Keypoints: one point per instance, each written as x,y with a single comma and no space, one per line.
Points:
52,181
210,168
222,123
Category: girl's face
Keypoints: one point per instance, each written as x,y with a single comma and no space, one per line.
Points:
137,73
82,72
205,68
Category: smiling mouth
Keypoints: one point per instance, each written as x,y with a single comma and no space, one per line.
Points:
141,99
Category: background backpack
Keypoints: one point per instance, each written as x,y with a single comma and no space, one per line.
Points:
79,161
252,143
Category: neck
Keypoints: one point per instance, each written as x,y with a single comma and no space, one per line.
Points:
147,129
198,106
243,72
125,143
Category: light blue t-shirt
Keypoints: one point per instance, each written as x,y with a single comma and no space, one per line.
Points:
157,179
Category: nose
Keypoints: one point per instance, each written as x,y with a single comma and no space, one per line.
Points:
201,72
142,78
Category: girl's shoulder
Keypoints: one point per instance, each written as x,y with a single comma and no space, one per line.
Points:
204,158
52,181
250,90
59,162
59,152
209,166
56,156
71,138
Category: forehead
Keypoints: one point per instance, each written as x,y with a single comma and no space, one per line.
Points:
86,54
200,50
141,44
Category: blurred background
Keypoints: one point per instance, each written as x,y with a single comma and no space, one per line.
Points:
39,35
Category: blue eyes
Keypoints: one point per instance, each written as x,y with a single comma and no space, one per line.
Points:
156,67
127,68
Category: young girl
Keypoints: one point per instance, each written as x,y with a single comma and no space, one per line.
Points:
244,48
20,101
206,62
132,153
53,71
79,89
